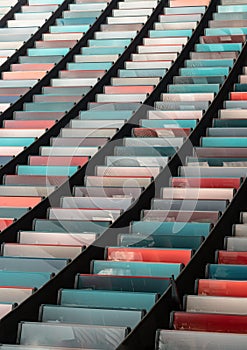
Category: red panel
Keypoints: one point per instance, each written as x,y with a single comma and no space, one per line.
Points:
26,124
235,258
19,201
223,39
149,255
4,223
128,89
209,322
238,96
73,161
205,182
222,288
156,132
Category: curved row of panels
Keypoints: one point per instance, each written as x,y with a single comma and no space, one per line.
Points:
138,269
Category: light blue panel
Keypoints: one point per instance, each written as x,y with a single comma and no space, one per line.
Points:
91,316
232,132
109,42
218,47
185,10
189,204
16,141
204,71
46,170
72,336
240,87
47,52
25,279
196,88
235,105
48,106
163,123
209,63
134,268
44,225
103,50
43,59
225,31
170,33
75,21
9,99
120,283
107,299
227,272
230,123
4,160
89,66
15,213
132,73
234,142
232,8
160,241
233,15
69,28
10,263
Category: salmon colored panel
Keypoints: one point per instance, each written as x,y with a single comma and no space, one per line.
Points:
149,255
222,288
184,3
23,75
72,161
19,201
31,67
128,89
4,223
26,124
238,96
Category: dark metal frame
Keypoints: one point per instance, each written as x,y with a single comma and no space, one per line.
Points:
10,14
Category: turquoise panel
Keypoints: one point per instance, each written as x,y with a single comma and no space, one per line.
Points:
107,299
171,228
123,268
46,170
